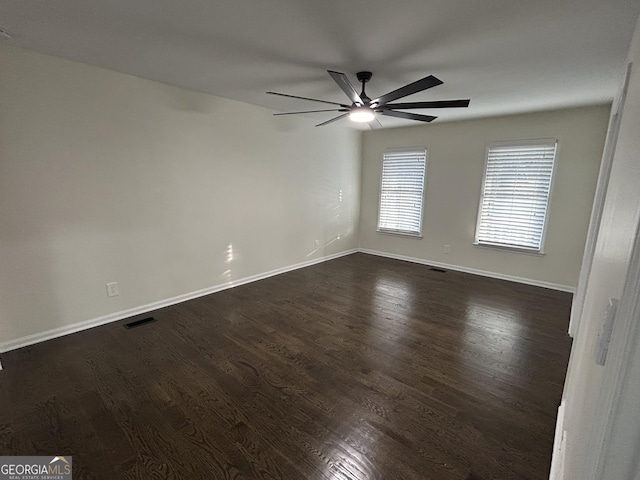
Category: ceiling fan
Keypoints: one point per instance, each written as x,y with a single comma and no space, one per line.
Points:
364,109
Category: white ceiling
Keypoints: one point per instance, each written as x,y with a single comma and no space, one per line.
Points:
507,56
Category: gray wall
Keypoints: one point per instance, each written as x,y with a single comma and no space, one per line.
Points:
455,170
108,177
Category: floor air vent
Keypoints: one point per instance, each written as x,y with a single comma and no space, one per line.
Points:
439,270
139,323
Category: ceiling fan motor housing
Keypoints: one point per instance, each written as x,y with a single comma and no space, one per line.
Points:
364,77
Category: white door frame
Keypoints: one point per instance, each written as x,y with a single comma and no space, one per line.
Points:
598,206
617,414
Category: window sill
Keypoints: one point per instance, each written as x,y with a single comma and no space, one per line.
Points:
400,234
506,248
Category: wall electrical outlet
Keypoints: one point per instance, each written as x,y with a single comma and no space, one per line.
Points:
317,244
447,249
112,289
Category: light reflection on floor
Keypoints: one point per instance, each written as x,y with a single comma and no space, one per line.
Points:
393,319
348,462
493,334
389,323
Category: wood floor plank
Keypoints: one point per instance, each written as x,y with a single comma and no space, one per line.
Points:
358,368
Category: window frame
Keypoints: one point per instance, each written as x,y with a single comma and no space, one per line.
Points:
545,224
401,233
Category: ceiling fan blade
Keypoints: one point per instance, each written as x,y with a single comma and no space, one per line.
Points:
434,104
310,99
408,116
332,120
374,124
344,83
415,87
314,111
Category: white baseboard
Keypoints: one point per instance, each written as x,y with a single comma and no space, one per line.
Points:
112,317
484,273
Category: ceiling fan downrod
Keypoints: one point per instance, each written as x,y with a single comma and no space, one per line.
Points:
364,77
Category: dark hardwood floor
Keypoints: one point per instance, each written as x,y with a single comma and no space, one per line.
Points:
358,368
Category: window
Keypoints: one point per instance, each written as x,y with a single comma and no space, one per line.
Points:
401,191
515,194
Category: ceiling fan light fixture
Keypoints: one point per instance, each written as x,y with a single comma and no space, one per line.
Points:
361,115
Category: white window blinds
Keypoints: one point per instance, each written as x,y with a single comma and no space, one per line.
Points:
401,192
515,194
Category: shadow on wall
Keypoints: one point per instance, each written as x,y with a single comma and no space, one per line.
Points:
186,101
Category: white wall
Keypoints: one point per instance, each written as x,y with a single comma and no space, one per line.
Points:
455,168
108,177
590,390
